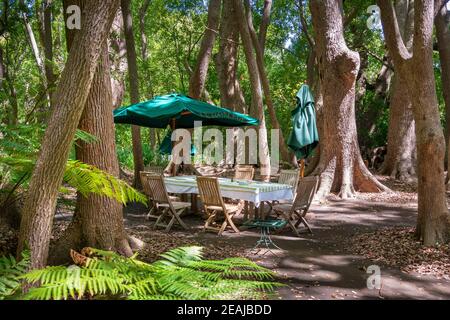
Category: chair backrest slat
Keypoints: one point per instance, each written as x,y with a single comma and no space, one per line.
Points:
244,173
145,184
154,169
289,177
209,191
306,190
158,188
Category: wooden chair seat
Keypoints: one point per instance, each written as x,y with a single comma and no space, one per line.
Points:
176,205
230,207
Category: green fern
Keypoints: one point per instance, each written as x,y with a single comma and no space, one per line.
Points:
10,271
180,274
19,147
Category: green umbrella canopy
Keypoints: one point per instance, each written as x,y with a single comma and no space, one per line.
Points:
304,136
183,110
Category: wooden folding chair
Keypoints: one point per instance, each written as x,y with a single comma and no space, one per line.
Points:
214,205
295,213
171,211
288,177
148,192
244,173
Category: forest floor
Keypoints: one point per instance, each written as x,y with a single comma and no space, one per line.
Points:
333,262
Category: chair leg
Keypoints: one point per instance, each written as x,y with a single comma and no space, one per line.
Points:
210,219
160,219
177,216
229,218
223,227
170,224
305,222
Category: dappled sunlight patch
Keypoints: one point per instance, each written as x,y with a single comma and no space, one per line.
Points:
398,247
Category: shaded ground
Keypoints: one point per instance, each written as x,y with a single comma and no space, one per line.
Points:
330,264
322,265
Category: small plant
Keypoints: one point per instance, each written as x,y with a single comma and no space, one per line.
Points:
180,274
10,272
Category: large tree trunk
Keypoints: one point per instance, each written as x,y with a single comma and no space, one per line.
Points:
285,155
226,61
433,222
442,23
98,220
255,83
341,167
134,90
400,161
70,96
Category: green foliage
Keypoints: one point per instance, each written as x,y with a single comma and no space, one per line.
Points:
88,179
10,271
180,274
18,153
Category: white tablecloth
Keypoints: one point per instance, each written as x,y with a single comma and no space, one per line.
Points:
253,191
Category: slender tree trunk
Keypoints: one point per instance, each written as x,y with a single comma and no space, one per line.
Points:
442,23
255,82
144,54
11,117
265,22
400,161
198,78
142,13
285,155
341,167
46,37
98,220
433,221
134,89
70,96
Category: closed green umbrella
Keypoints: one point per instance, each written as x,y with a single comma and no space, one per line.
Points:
304,136
180,111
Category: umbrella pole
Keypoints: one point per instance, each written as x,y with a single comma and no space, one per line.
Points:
302,168
174,167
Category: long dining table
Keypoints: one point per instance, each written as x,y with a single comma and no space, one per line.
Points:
254,192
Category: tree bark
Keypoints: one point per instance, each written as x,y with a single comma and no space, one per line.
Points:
198,78
285,154
98,220
442,23
46,37
400,161
226,61
70,96
341,167
134,90
255,83
265,22
433,221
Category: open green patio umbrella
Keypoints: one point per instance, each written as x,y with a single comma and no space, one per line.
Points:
304,136
180,111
